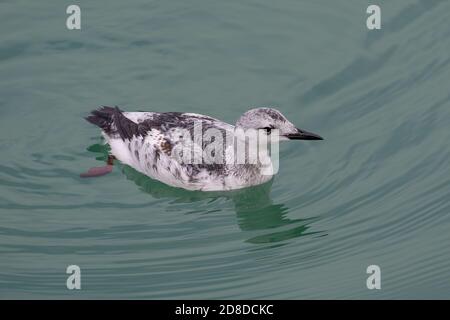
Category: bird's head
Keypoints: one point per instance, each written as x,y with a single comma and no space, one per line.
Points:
268,119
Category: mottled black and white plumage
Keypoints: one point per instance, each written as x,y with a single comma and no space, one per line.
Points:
146,141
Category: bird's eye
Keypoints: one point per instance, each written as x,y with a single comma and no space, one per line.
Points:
267,130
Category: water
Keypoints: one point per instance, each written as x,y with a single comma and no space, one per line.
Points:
376,191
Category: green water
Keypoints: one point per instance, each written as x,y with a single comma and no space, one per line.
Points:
376,191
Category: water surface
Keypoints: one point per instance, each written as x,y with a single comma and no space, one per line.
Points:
376,191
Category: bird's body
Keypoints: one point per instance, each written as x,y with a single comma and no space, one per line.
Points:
147,141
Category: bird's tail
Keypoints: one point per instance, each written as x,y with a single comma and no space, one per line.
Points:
103,118
112,121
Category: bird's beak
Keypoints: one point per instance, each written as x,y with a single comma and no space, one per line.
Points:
303,135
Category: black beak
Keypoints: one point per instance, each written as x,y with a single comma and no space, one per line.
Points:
303,135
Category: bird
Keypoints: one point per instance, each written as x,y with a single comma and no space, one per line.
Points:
154,143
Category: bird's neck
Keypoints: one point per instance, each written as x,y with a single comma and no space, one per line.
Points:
256,172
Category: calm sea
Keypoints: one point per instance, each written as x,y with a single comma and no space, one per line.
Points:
375,192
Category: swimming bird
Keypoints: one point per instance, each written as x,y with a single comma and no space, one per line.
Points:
150,142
